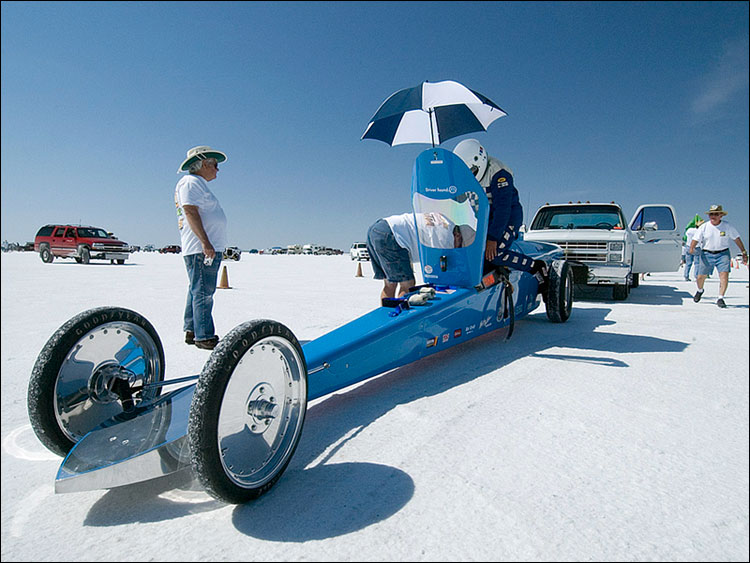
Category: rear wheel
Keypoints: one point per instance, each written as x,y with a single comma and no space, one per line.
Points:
83,374
560,291
248,410
46,254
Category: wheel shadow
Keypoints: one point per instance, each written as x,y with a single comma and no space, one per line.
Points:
333,499
339,498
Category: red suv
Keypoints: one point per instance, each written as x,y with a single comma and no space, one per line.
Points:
81,243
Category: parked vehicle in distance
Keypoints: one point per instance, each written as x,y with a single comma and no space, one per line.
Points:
232,253
311,249
359,251
603,249
149,248
83,243
171,249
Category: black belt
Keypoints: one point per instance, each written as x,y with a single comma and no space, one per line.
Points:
715,251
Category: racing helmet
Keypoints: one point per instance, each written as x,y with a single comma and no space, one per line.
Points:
473,155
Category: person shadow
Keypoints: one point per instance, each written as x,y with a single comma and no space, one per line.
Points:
317,498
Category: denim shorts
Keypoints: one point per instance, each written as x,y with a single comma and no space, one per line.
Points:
710,261
390,261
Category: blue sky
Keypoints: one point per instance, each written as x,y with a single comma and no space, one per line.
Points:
642,102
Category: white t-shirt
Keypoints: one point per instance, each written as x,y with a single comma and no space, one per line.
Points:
405,233
715,238
689,235
193,190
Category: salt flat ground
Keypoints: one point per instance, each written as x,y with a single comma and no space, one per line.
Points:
619,435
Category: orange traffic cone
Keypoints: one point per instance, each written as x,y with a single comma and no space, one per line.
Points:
359,270
224,283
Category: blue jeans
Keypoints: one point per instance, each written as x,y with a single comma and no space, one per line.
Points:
389,260
200,297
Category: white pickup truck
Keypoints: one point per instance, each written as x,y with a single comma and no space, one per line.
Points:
605,250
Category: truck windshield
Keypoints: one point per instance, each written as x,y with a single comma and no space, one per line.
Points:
583,217
92,233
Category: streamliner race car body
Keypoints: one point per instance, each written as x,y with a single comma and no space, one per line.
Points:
95,395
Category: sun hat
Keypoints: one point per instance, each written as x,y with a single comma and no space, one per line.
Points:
716,209
201,153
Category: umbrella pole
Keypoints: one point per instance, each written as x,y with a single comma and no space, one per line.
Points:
432,134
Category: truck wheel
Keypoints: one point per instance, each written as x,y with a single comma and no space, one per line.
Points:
635,280
248,410
83,374
620,292
85,255
560,291
46,254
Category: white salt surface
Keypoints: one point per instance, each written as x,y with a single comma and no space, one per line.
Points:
619,435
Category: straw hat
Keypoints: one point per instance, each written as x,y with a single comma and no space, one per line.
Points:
201,153
716,209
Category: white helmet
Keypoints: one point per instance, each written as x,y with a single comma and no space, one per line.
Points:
473,155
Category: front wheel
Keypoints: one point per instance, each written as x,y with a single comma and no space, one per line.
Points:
620,291
83,375
247,411
560,291
85,255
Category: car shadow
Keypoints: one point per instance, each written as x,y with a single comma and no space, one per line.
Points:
317,498
643,295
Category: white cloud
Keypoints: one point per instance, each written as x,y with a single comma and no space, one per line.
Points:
729,77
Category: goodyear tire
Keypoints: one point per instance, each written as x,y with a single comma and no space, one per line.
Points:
46,254
71,386
248,410
560,291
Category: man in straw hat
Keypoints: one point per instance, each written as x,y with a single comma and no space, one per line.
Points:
714,237
203,231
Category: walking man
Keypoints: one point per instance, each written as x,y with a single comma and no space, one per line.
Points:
714,237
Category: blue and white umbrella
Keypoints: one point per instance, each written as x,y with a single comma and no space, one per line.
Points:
432,112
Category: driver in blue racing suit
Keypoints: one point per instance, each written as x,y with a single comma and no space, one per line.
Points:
506,212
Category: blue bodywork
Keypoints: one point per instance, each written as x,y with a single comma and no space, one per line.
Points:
450,211
385,339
